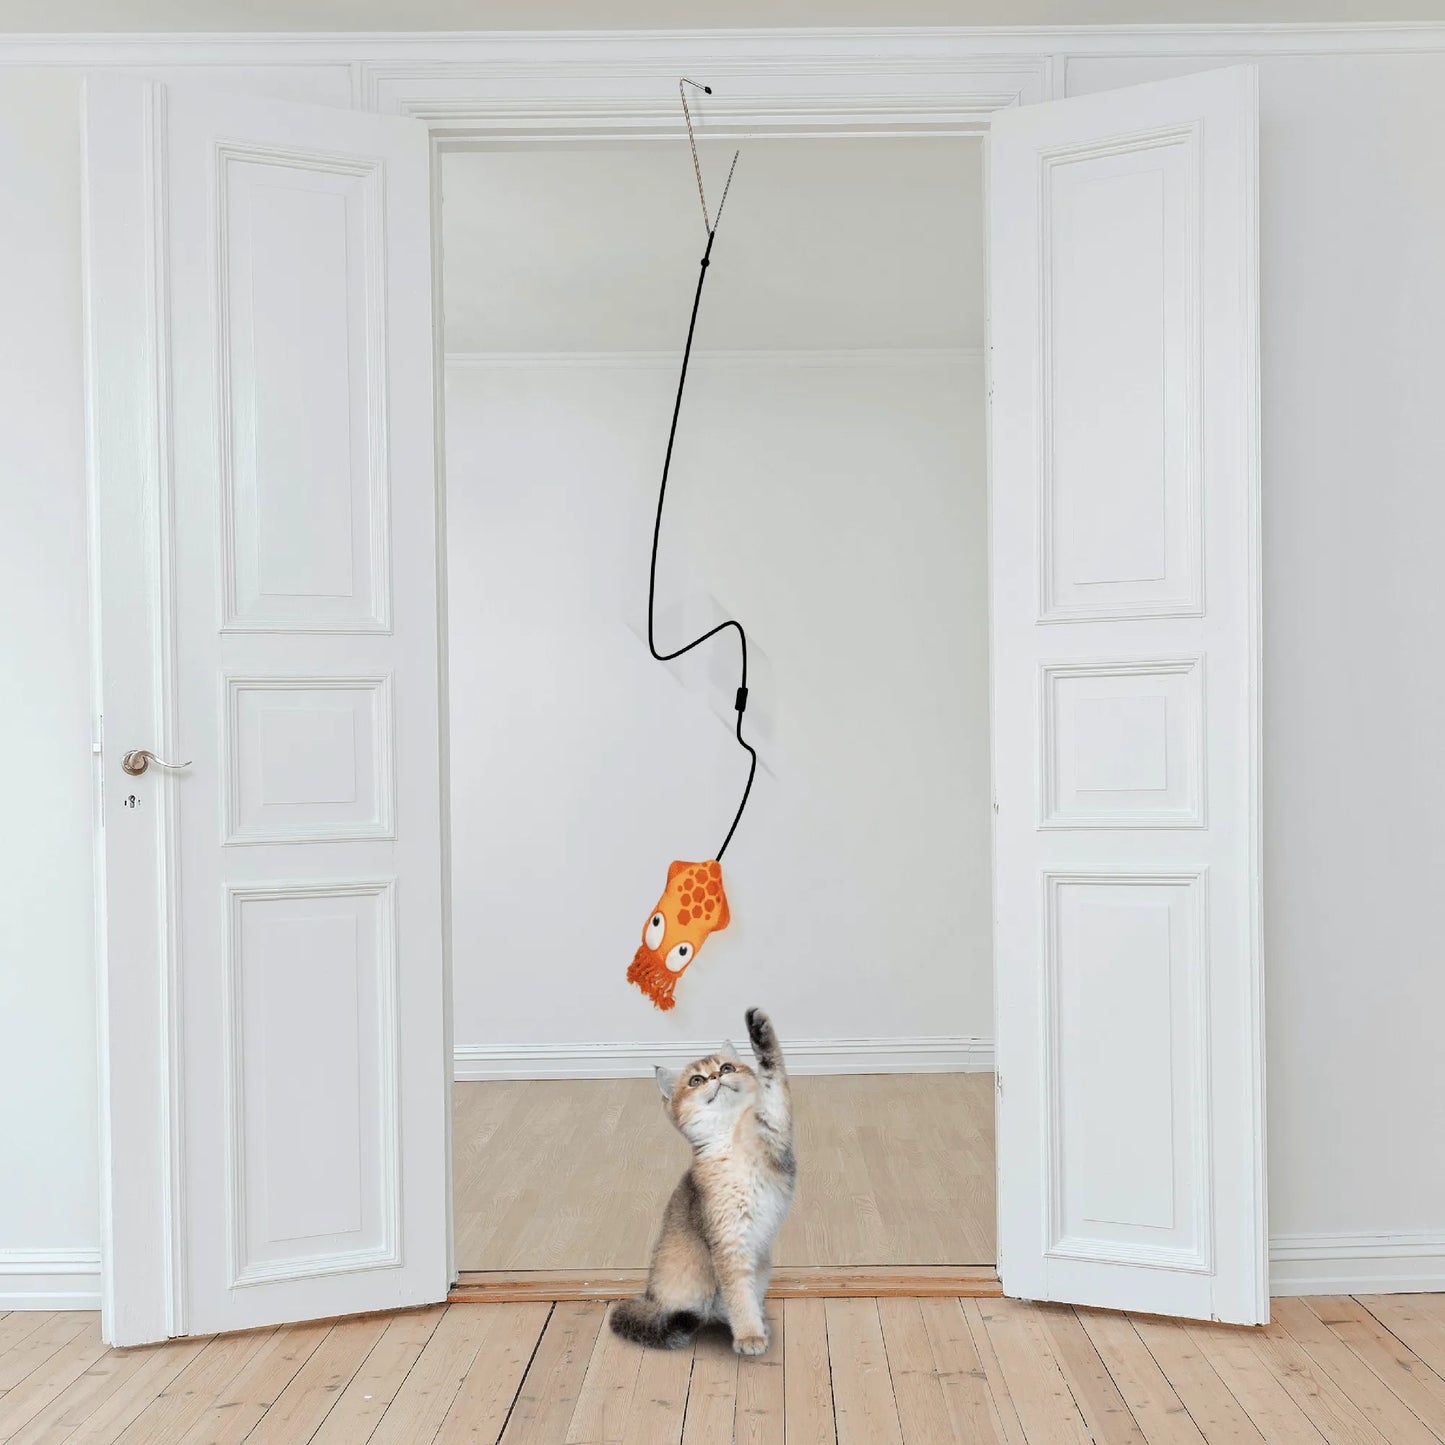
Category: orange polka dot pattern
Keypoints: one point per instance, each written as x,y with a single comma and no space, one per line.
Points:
694,906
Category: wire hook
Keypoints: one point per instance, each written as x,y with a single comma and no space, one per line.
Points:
708,222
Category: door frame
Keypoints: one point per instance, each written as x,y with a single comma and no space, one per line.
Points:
557,88
462,117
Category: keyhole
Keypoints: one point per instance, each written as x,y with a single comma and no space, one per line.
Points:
132,801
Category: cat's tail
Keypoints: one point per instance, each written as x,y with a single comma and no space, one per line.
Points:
645,1322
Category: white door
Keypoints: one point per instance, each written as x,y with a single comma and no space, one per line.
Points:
264,512
1125,556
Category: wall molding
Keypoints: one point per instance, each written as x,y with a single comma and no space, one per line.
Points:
50,1279
1361,1263
837,357
661,46
942,1054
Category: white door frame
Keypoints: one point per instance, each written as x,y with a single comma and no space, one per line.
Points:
856,83
462,115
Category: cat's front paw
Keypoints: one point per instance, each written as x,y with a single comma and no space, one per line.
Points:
750,1344
760,1032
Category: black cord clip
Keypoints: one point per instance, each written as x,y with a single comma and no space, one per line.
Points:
741,701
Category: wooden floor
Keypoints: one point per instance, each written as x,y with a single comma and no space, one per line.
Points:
1367,1371
894,1169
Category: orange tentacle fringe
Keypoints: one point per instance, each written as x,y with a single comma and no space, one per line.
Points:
657,982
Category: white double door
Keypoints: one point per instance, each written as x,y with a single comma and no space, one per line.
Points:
264,486
262,393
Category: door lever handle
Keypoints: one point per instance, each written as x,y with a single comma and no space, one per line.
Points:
138,760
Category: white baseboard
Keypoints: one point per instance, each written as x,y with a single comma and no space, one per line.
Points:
49,1279
948,1054
1357,1263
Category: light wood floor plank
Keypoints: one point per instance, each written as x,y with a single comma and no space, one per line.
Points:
1219,1416
1414,1319
1385,1410
760,1388
895,1371
864,1409
239,1407
1104,1409
28,1354
48,1381
1330,1411
170,1415
899,1171
137,1374
1160,1413
16,1326
313,1391
549,1393
1387,1356
1265,1400
98,1414
712,1394
479,1413
967,1394
415,1415
1013,1430
923,1413
660,1399
807,1376
363,1403
601,1414
1036,1385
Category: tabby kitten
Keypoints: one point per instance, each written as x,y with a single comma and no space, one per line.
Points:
715,1251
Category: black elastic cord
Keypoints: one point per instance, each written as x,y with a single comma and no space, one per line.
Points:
741,700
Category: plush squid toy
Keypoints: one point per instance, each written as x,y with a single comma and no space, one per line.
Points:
692,906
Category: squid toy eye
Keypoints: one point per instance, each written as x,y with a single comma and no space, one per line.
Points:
691,909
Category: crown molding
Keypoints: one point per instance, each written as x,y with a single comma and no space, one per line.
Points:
848,45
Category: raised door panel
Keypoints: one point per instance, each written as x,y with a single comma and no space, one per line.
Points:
303,413
1128,1122
1122,744
308,759
1119,285
311,1051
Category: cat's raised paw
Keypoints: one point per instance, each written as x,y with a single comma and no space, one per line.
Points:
750,1344
760,1026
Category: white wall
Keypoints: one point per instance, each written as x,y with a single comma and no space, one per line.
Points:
48,1160
839,512
1353,302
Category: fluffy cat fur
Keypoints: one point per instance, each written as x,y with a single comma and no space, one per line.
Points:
715,1250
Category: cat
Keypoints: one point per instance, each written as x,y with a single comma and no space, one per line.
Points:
715,1250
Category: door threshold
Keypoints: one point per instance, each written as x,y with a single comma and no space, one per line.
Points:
517,1286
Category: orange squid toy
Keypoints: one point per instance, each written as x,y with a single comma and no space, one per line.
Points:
692,907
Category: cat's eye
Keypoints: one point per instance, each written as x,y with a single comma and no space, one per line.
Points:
656,927
696,1079
726,1068
678,956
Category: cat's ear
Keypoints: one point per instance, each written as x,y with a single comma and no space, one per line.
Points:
729,1052
666,1080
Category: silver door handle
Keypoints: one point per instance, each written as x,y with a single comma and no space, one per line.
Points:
138,760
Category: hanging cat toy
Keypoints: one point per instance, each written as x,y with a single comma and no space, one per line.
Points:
694,904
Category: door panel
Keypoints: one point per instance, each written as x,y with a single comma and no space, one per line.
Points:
1124,469
292,490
